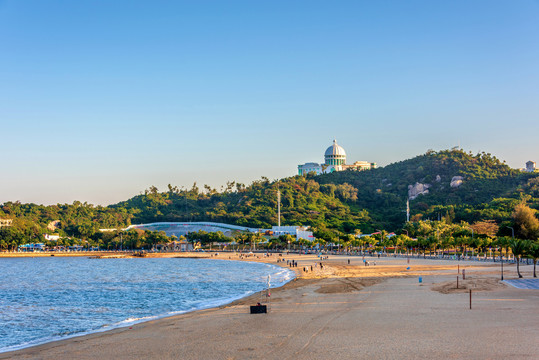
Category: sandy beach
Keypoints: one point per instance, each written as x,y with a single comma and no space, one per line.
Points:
343,311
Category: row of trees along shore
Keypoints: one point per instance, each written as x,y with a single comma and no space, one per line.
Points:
342,201
491,208
440,237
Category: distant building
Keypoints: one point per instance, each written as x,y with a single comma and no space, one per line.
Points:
310,167
300,232
183,228
32,247
52,237
6,222
530,166
180,246
335,160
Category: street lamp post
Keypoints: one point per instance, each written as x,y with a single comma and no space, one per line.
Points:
501,255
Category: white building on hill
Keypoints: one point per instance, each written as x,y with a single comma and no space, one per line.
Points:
530,166
335,160
51,237
6,222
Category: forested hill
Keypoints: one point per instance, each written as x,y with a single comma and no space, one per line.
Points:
453,183
480,182
303,201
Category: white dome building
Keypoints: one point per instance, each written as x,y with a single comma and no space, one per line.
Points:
334,160
335,155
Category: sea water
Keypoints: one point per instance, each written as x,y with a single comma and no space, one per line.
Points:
52,298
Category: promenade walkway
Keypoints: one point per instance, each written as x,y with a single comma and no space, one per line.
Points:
524,283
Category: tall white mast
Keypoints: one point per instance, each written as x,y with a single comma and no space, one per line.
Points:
279,207
408,210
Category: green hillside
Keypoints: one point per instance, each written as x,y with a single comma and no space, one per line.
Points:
383,192
484,188
350,200
303,201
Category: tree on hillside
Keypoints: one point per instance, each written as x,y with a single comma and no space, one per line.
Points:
486,227
346,192
526,224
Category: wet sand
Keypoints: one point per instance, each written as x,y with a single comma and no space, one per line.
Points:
342,312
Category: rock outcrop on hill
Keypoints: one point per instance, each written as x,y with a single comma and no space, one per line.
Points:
456,181
418,189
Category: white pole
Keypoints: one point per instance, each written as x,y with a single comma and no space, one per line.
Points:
279,207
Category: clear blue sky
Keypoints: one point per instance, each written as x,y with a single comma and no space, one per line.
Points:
101,99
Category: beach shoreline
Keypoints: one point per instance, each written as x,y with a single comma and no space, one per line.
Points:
323,289
98,255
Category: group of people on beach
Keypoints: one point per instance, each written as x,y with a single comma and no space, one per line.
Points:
292,263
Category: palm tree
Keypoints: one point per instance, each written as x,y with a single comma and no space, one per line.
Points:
256,238
432,243
320,242
503,243
518,247
533,252
466,241
355,243
423,243
301,242
445,244
368,241
349,241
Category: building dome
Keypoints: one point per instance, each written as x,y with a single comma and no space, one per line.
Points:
335,149
335,155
